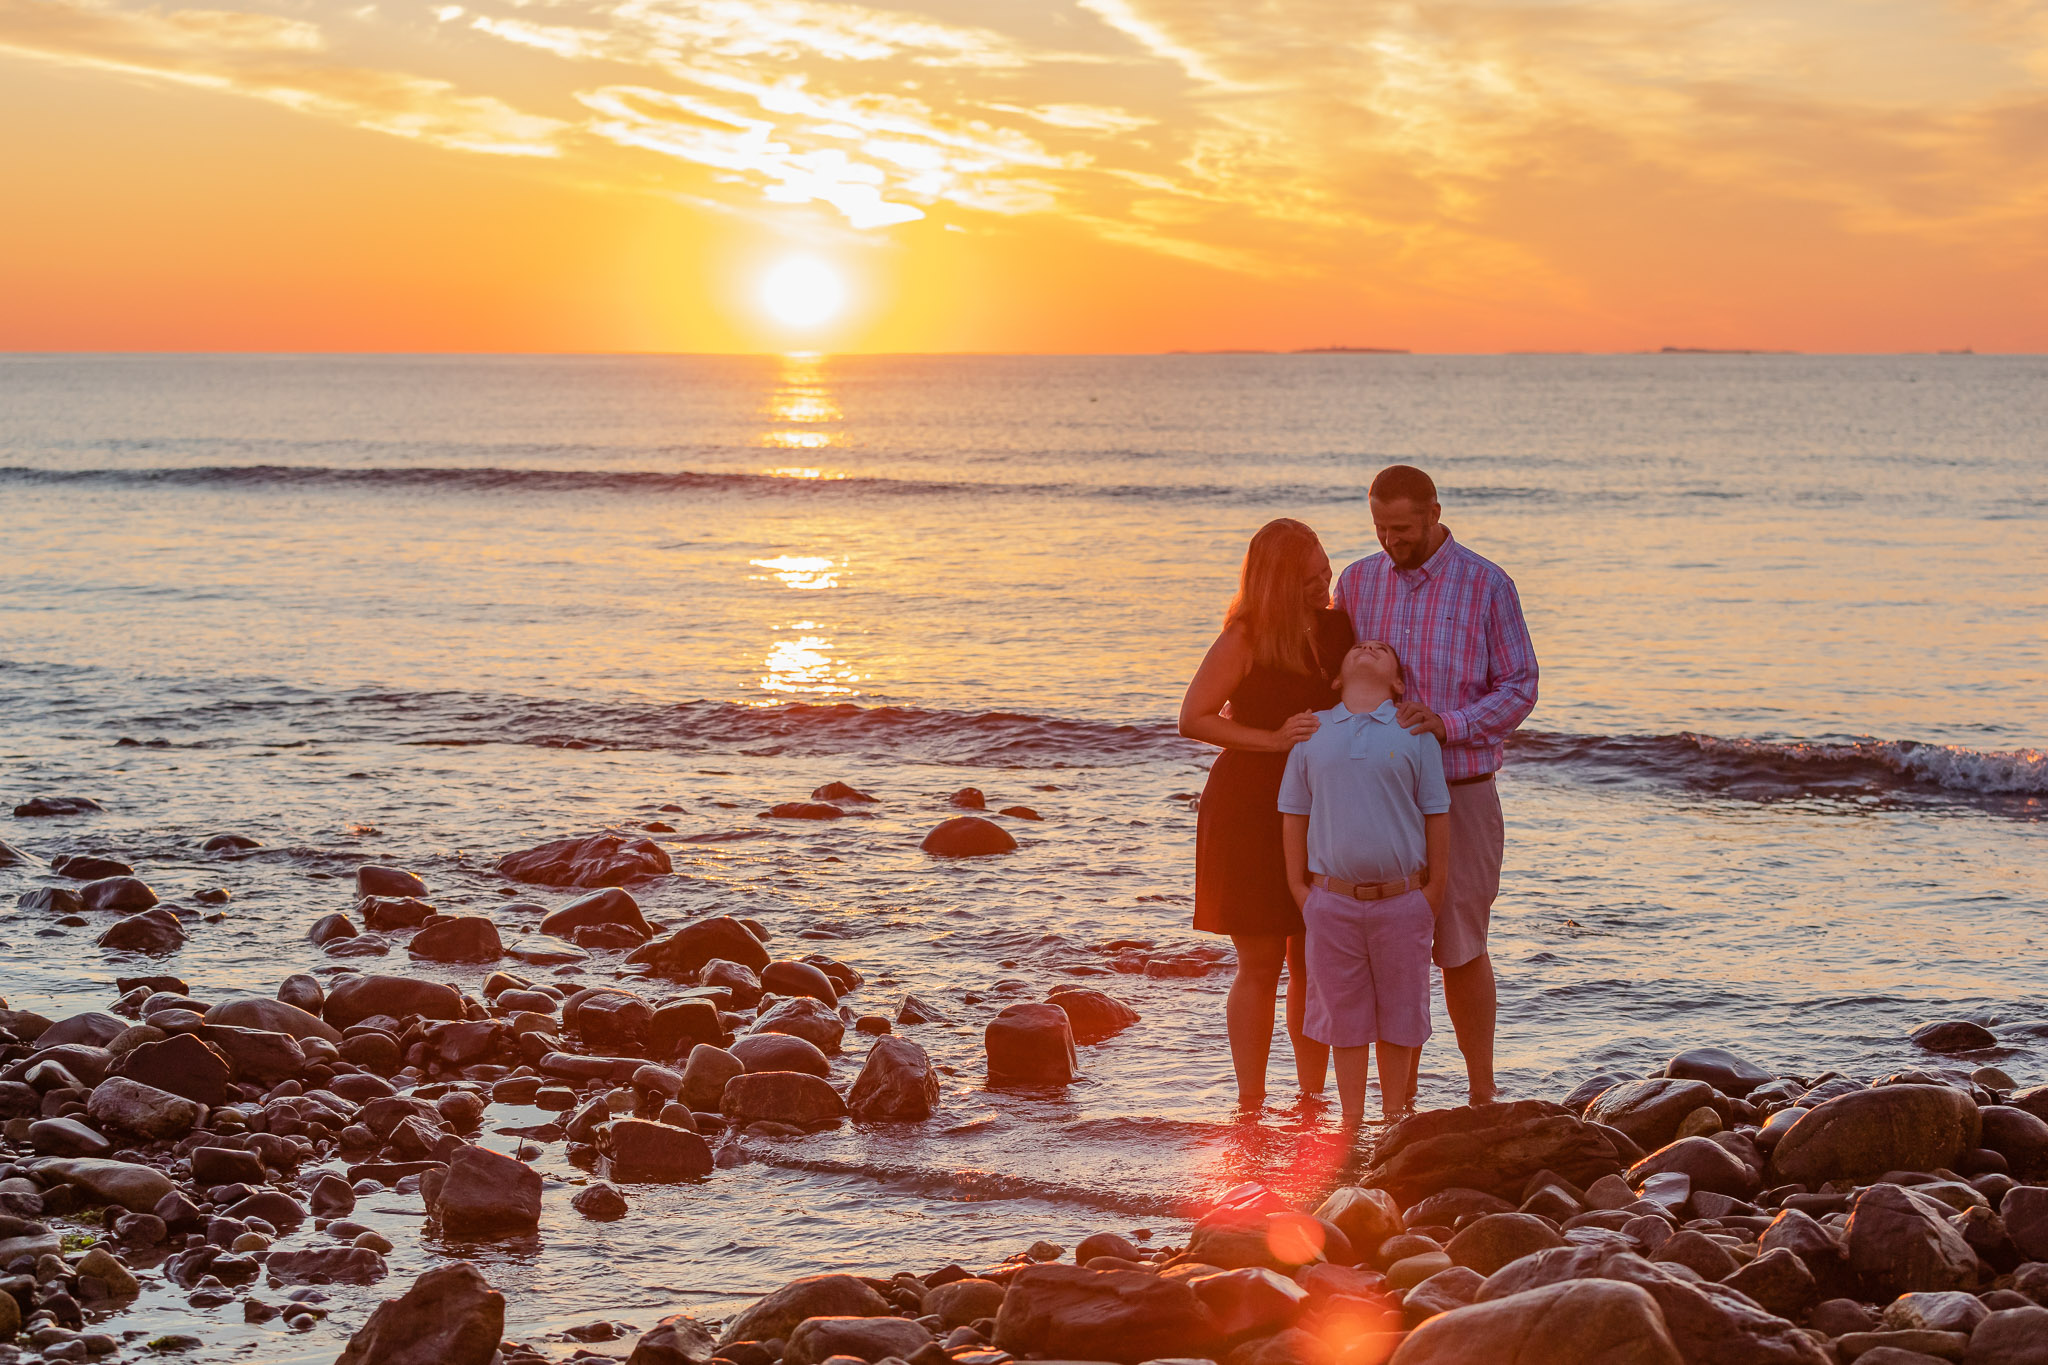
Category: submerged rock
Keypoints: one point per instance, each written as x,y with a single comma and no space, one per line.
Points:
1954,1035
450,1316
968,836
56,805
458,938
153,932
606,859
798,978
659,1152
803,810
1092,1015
374,880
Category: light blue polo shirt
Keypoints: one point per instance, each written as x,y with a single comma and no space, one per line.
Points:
1365,783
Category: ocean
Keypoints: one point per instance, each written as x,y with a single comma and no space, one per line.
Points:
1783,792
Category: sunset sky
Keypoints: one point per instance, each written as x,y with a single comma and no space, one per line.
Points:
1061,175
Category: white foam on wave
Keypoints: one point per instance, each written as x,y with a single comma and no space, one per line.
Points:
1955,767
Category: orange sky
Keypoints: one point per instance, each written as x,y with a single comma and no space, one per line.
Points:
1063,175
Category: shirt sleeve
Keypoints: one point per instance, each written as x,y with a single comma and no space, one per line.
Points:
1295,790
1510,675
1432,793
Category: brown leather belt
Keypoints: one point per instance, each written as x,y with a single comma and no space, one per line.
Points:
1468,781
1415,882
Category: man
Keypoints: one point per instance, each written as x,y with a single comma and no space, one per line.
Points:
1456,622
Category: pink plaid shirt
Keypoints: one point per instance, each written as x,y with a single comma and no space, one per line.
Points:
1457,624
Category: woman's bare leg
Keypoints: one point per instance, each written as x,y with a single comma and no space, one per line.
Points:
1249,1012
1311,1058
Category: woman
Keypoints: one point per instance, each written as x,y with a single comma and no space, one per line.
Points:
1255,697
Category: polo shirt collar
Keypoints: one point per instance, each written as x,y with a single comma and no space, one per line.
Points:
1360,746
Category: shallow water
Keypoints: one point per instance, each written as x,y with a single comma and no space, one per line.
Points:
1783,791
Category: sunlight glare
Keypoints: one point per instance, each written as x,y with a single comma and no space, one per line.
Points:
802,291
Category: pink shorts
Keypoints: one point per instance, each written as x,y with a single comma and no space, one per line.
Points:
1368,969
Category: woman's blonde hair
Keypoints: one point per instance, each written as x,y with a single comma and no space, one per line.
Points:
1277,617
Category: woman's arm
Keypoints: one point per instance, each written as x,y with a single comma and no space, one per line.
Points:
1201,710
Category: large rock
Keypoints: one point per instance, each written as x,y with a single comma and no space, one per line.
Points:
1030,1044
1731,1075
132,1107
1491,1147
1092,1015
1709,1324
1780,1282
896,1083
1487,1243
1365,1217
56,805
274,1016
392,913
679,1025
780,1052
2019,1137
94,1028
687,950
373,880
107,1181
641,1150
448,1317
606,859
458,938
1063,1312
803,1017
1577,1322
356,998
676,1340
257,1055
608,1016
787,977
1708,1164
120,895
1900,1243
816,1340
776,1315
153,933
183,1064
2011,1336
66,1137
960,1302
2025,1211
1863,1135
781,1097
1954,1035
707,1071
485,1194
1650,1111
968,836
609,906
303,992
330,928
51,900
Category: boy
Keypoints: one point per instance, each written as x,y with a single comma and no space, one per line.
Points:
1366,833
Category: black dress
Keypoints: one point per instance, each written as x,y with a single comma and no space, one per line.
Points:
1240,872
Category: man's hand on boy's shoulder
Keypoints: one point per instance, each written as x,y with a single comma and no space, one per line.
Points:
1419,719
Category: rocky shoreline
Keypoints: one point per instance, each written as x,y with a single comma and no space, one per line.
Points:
1715,1212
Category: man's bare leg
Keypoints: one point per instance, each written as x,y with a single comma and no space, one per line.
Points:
1311,1058
1470,1000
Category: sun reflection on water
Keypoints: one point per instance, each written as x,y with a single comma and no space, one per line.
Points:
802,665
803,399
806,573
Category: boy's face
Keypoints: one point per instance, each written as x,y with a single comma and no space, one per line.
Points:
1373,661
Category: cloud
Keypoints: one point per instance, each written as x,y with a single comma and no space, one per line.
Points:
278,60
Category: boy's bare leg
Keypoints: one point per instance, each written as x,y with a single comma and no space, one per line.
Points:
1354,1068
1311,1058
1397,1078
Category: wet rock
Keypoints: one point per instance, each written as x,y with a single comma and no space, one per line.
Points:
86,867
229,843
329,1196
1862,1135
916,1011
741,984
109,1182
676,1340
707,1071
129,1106
102,1265
2019,1137
326,1265
373,880
51,900
1899,1243
685,952
1495,1148
1029,1044
816,1340
10,856
896,1084
841,792
153,932
302,991
776,1315
378,1052
484,1194
184,1065
56,805
1708,1164
1954,1035
458,938
606,859
1578,1320
274,1207
959,1303
356,998
1068,1313
792,1097
1728,1073
66,1137
276,1016
119,894
611,906
544,950
1490,1242
803,810
329,928
968,836
392,914
1092,1015
1365,1217
657,1152
780,1052
362,945
2025,1212
600,1203
608,1016
680,1025
256,1054
803,1017
2011,1336
1650,1111
798,979
450,1316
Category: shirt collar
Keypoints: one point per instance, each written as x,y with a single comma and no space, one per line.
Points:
1437,562
1383,713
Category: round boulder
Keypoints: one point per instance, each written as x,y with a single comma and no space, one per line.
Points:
458,938
773,1052
798,978
1946,1035
1862,1135
1092,1015
1579,1320
968,836
792,1097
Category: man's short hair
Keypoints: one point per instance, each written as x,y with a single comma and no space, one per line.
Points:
1403,481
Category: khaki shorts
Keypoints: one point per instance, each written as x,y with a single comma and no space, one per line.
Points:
1478,840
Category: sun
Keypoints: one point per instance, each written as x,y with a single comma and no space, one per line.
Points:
802,292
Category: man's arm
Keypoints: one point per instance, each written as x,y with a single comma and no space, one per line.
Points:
1510,675
1436,838
1294,847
